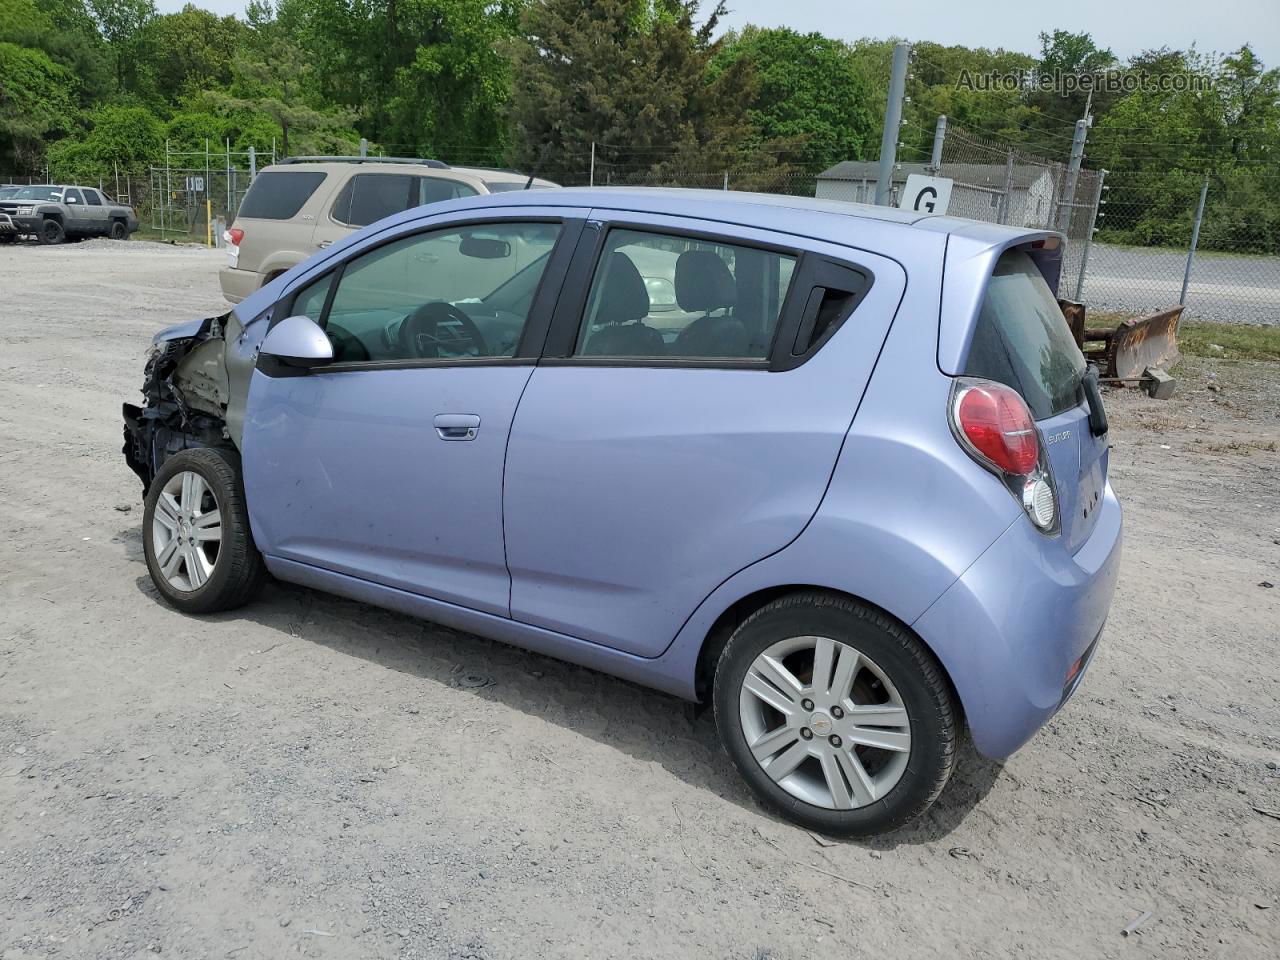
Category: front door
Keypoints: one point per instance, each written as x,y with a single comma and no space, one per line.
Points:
707,379
387,464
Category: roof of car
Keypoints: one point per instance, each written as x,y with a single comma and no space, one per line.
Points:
398,165
733,206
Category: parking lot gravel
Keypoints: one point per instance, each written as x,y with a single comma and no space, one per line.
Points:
314,777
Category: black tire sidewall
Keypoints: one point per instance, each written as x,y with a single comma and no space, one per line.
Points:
929,706
204,462
119,231
49,237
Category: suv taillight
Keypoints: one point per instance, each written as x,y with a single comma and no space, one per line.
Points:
233,236
993,425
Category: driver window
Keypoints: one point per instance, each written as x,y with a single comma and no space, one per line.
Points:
460,293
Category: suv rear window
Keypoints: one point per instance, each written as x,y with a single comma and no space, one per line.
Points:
1022,340
279,194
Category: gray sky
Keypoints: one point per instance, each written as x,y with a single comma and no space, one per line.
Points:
1126,26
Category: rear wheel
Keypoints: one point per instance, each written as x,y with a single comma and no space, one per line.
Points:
119,231
196,537
51,232
835,714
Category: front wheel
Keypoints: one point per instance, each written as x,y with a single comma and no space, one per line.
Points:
196,537
835,714
52,232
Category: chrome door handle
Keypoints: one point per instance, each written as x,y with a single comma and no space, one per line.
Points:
457,426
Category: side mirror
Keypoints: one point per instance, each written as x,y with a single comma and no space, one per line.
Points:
72,200
297,342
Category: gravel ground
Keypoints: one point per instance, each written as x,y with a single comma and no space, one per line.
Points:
314,777
1223,289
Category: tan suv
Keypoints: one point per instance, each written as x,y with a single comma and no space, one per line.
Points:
303,204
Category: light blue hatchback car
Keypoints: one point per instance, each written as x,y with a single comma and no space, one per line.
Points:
839,471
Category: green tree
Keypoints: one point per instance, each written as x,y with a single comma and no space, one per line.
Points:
37,100
808,88
122,23
633,77
191,51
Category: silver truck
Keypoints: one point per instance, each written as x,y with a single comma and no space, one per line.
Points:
53,214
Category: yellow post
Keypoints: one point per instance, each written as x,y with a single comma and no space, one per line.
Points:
208,221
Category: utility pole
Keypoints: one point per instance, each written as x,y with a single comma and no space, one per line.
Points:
892,122
939,136
1073,174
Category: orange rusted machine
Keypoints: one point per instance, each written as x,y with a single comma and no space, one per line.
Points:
1138,352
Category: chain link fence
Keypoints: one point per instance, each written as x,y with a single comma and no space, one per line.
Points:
1129,235
1142,258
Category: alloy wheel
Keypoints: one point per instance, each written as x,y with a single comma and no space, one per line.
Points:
825,723
186,531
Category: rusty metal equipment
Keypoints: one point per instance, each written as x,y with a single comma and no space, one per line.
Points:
1139,351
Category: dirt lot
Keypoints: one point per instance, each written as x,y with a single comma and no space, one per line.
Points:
312,776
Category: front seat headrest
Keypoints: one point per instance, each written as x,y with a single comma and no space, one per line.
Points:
623,295
703,282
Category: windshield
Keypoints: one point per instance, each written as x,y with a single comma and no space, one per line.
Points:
39,193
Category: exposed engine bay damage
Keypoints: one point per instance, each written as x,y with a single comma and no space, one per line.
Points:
186,393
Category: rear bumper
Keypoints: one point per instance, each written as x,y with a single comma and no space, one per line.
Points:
1011,629
238,284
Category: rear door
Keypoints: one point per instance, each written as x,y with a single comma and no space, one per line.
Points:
698,382
1022,340
95,211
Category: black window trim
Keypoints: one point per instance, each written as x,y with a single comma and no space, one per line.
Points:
532,337
571,307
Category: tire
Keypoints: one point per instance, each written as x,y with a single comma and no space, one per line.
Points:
8,237
52,232
841,784
200,575
119,231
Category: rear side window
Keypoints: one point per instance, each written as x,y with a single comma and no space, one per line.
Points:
279,194
92,199
1022,339
371,196
662,295
435,189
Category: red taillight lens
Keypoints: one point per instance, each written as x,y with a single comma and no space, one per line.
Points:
234,236
997,424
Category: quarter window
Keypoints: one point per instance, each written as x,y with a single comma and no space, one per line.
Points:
461,293
656,296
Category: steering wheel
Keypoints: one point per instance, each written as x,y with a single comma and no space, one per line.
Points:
430,327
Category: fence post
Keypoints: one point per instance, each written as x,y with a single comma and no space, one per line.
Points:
892,122
1088,238
364,147
726,180
1195,239
253,167
168,185
1073,174
1007,200
939,136
591,177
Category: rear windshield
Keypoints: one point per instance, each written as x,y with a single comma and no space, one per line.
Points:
279,194
1023,340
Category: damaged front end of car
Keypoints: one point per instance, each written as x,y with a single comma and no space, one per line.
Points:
185,388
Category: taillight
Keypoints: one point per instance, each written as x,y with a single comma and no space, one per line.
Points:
233,236
998,425
994,426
